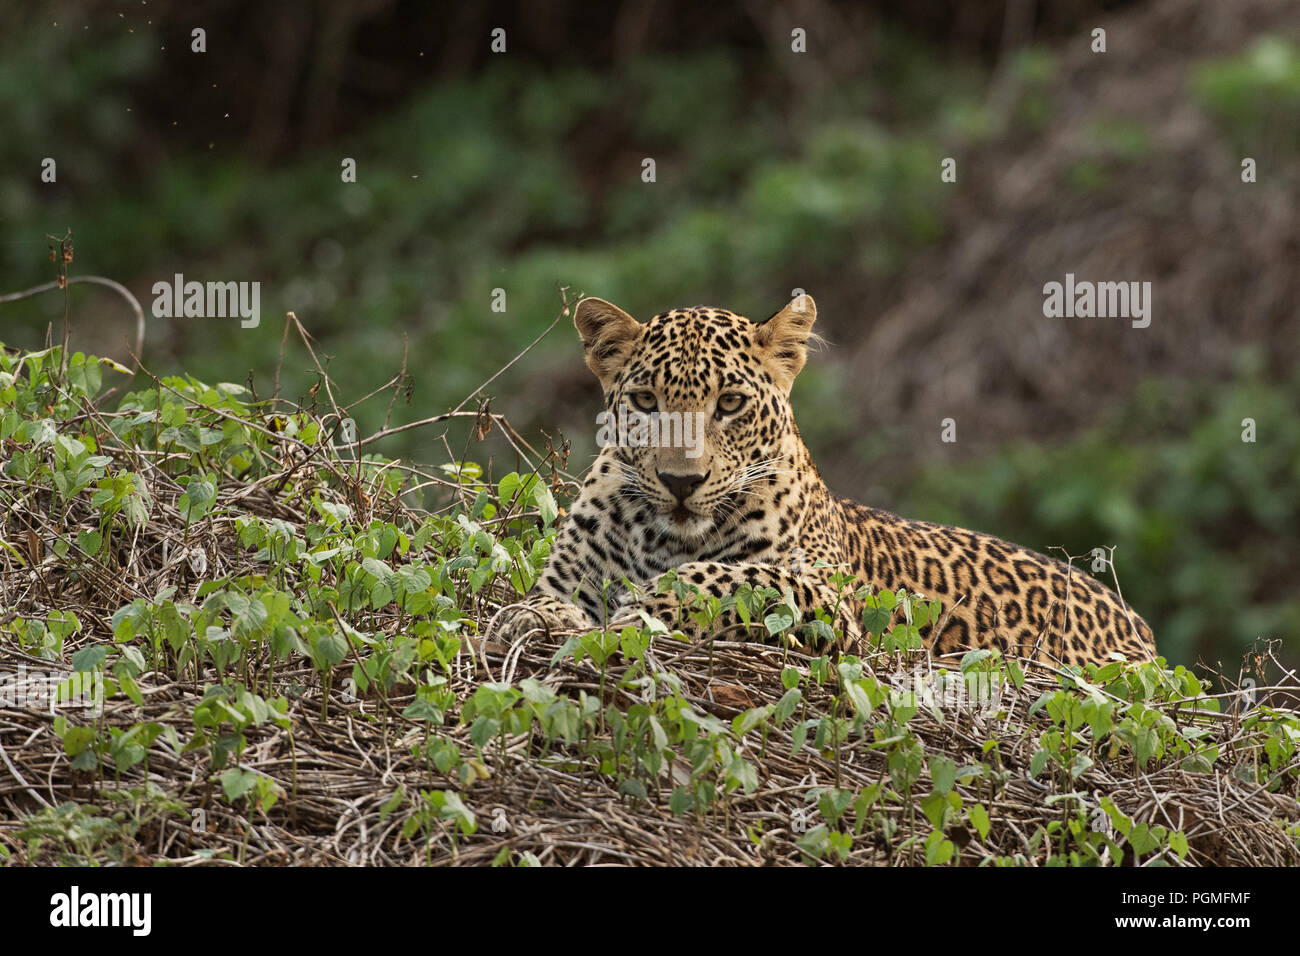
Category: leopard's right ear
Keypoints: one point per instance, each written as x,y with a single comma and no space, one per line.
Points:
783,339
608,336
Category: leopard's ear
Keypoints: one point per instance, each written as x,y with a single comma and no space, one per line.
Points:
608,336
783,339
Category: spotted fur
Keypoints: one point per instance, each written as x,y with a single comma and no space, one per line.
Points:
752,508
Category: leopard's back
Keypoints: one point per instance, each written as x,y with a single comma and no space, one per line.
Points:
996,593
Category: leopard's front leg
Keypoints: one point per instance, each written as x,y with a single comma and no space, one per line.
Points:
810,590
569,594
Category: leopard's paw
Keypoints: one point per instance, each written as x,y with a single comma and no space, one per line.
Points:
537,617
630,615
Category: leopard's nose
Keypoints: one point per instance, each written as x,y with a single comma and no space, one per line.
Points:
681,486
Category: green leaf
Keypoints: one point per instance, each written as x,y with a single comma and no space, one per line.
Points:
1038,762
545,502
129,687
680,801
943,772
331,648
414,579
938,851
236,782
780,620
786,705
743,773
90,541
905,767
832,803
197,499
935,807
380,571
423,709
744,722
633,788
483,730
90,658
875,618
799,736
77,739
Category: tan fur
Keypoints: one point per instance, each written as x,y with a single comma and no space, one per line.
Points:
758,512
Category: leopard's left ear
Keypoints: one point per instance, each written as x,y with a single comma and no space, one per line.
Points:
608,336
784,339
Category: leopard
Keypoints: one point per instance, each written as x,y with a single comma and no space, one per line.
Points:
742,507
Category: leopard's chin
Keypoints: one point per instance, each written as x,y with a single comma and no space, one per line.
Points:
686,524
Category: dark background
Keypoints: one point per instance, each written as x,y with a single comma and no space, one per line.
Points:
775,170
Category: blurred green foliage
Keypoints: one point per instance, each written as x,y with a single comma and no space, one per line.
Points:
1113,145
1255,95
481,184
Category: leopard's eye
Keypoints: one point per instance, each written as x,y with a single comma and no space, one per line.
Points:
646,401
730,402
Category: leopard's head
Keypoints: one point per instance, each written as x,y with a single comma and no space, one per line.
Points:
697,405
